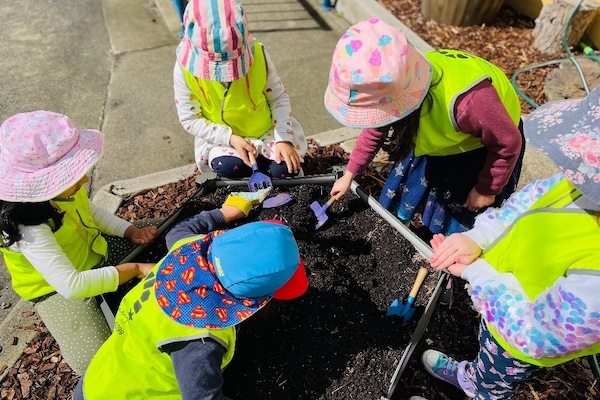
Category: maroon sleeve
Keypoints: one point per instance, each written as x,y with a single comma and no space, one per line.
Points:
480,112
367,145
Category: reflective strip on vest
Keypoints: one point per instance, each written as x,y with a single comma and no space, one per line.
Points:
439,134
78,237
243,106
554,240
141,329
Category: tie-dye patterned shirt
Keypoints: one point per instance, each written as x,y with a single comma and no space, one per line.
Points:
522,327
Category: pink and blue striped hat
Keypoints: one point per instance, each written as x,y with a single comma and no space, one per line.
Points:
215,45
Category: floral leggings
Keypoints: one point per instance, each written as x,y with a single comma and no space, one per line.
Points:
495,373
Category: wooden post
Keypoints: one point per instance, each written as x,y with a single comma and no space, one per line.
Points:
461,12
550,25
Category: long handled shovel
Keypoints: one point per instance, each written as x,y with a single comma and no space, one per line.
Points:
406,310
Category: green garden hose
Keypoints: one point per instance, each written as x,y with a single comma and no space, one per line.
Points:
586,49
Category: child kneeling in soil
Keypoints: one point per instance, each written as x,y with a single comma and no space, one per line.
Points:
532,265
176,330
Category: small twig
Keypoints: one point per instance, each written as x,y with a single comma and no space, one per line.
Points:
532,390
341,387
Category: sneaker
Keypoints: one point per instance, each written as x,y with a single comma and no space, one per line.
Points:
417,398
449,370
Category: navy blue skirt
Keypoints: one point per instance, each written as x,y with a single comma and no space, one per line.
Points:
437,187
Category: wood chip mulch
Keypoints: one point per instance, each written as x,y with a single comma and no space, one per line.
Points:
507,43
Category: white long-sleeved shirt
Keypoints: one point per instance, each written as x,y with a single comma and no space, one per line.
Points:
209,135
40,247
523,326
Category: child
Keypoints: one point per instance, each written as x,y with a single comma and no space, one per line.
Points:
532,265
229,96
175,331
52,234
449,119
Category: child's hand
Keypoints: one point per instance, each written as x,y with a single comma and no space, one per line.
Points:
286,151
143,235
342,185
457,269
243,147
243,201
131,270
455,249
477,201
144,268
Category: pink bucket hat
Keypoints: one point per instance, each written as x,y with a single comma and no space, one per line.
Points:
42,154
568,131
215,44
376,77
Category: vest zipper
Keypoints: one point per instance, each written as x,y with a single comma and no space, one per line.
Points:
223,105
95,237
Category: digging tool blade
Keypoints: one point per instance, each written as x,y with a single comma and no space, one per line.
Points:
257,180
406,310
418,333
277,200
320,211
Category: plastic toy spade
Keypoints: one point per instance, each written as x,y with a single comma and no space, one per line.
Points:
406,310
277,200
320,211
257,180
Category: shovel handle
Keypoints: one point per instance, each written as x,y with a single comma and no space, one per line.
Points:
252,160
419,281
331,201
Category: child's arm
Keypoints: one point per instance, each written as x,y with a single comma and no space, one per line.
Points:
559,321
115,226
189,111
197,366
464,248
202,223
481,113
279,103
108,223
368,144
281,113
236,206
494,221
42,250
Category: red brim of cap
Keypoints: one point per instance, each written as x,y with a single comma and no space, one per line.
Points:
295,286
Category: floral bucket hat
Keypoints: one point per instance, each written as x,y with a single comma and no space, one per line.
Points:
42,154
215,44
568,131
377,77
227,276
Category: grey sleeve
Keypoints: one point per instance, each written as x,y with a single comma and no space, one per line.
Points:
197,366
204,222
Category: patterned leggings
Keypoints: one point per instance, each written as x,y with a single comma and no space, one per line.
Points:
495,373
234,168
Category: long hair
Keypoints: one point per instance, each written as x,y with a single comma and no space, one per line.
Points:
401,134
14,214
